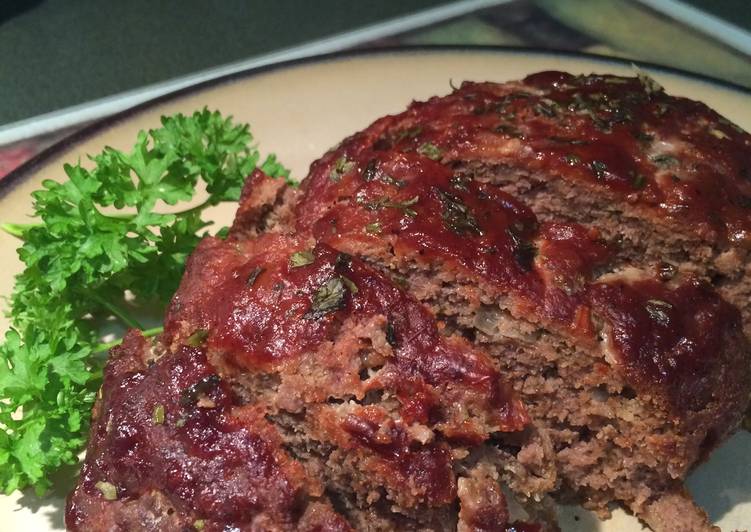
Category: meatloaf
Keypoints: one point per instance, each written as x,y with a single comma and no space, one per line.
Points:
539,285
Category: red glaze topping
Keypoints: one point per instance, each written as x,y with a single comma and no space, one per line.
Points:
624,135
172,428
428,210
393,190
267,309
270,303
668,336
427,468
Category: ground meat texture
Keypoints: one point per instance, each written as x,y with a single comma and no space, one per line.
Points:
637,366
539,285
294,385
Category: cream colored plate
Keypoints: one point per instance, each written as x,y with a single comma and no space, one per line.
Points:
299,111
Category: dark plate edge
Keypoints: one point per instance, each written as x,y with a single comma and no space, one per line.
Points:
17,175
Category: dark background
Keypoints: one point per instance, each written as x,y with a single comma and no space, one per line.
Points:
58,53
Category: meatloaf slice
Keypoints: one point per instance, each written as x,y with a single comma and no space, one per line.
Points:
636,368
295,388
666,180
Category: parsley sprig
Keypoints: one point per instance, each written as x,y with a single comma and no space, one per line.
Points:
105,244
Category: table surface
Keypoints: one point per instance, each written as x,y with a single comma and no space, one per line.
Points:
58,54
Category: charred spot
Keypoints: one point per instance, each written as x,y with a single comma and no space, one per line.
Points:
373,397
741,201
383,143
498,440
585,434
525,254
628,393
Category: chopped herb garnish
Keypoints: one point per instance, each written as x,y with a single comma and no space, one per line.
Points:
107,489
199,524
429,150
546,107
351,286
664,160
180,422
198,338
461,182
643,137
598,168
343,260
373,228
384,202
650,85
639,181
157,416
456,215
571,160
328,298
301,258
253,275
657,310
509,131
410,133
341,167
369,173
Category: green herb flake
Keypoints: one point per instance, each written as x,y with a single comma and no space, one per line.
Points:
328,298
546,107
371,170
408,133
658,310
198,338
351,286
429,150
650,86
639,181
301,258
572,160
157,416
664,160
199,524
253,276
341,167
598,168
456,215
461,182
107,489
641,136
373,228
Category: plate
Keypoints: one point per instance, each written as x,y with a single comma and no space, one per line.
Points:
298,110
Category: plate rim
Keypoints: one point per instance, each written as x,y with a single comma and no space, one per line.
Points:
26,169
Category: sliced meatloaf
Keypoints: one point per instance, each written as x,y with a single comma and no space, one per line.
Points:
540,284
295,388
591,233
